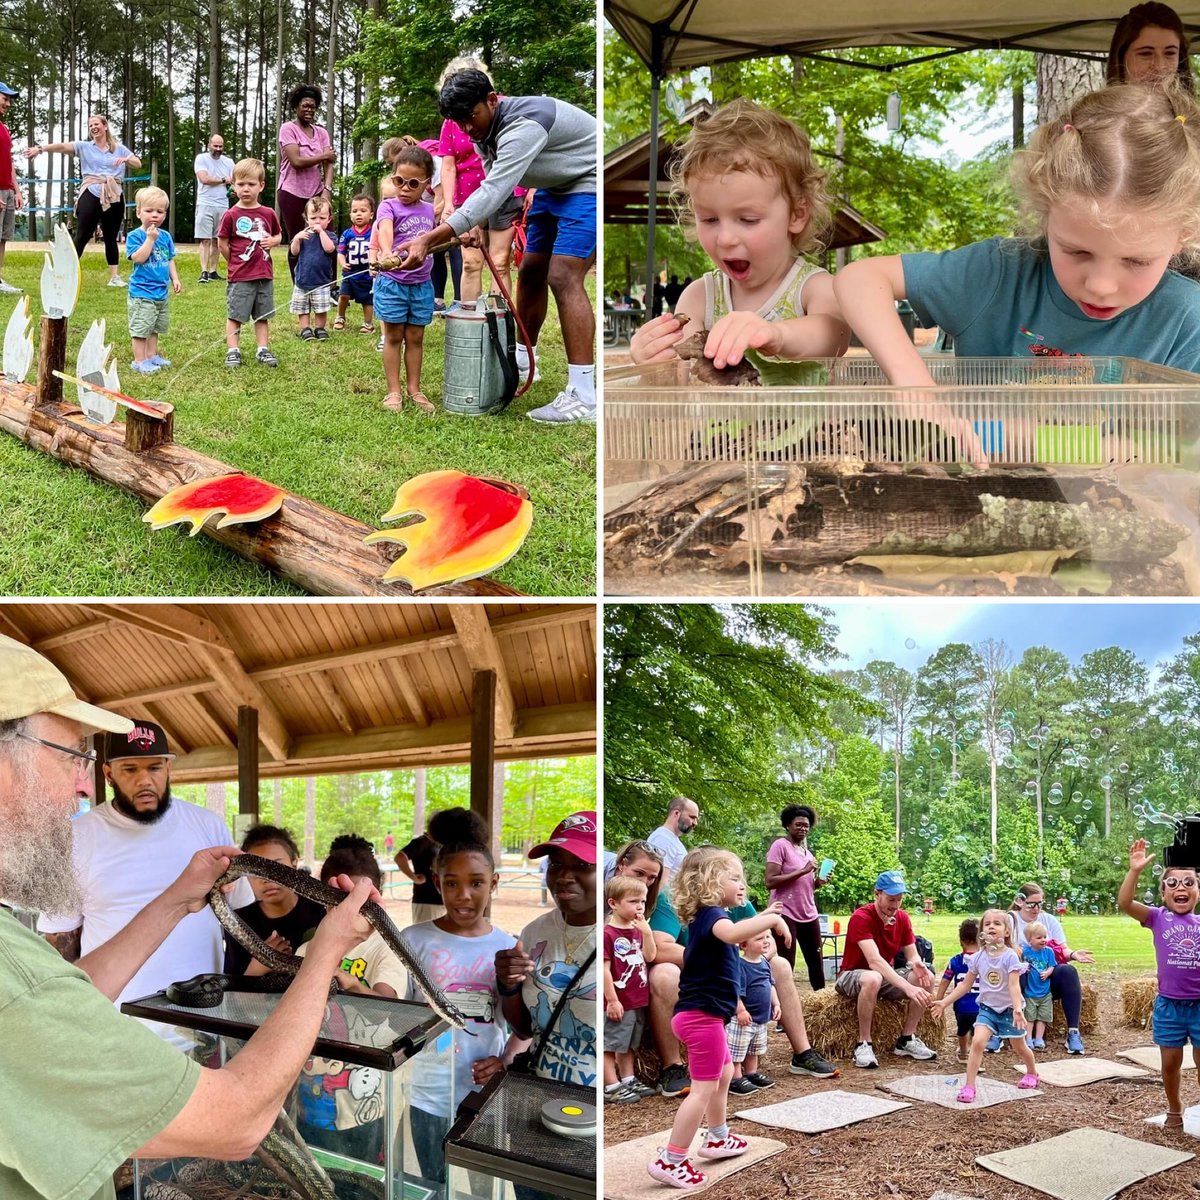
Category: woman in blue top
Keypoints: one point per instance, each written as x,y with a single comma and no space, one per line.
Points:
101,202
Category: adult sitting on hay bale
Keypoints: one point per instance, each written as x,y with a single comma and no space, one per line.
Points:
1064,983
877,932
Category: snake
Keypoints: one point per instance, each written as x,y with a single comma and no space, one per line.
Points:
283,1149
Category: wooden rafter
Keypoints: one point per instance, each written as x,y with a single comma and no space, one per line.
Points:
483,654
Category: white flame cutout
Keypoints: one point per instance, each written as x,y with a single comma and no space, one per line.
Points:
18,342
93,355
61,279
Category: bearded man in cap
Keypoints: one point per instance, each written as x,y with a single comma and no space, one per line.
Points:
127,852
84,1086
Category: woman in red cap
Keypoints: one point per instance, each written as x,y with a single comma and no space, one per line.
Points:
556,954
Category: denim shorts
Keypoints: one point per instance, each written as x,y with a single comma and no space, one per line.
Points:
403,303
562,225
1176,1022
1000,1023
357,287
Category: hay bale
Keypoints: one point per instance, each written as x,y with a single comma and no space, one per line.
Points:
832,1022
1137,1001
1089,1014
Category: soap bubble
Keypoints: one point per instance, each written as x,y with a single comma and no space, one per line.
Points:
909,644
1076,796
1055,798
947,890
1157,869
1106,712
1097,733
924,819
1033,742
943,791
1174,789
1123,768
1106,781
918,854
1094,908
1077,819
935,841
960,898
1009,760
992,897
1031,787
935,752
1009,715
1082,760
1086,805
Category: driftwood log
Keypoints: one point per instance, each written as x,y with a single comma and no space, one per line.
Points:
315,547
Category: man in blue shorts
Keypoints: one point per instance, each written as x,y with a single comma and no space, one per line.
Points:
534,142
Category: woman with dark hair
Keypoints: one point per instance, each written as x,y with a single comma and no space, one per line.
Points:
1150,46
306,159
280,917
792,877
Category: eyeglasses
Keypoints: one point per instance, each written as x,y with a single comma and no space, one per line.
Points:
82,756
1032,904
407,184
1172,882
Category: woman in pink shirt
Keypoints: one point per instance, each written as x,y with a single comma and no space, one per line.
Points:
792,877
306,159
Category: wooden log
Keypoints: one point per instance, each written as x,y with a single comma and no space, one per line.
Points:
315,547
52,356
143,433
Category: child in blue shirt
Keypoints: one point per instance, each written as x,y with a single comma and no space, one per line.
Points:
1113,187
1039,1004
152,251
312,290
966,1008
757,1005
354,255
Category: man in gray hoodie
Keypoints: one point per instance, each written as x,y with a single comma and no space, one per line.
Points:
547,144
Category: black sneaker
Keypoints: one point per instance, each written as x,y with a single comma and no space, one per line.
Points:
265,357
809,1062
759,1080
674,1081
743,1087
322,335
233,358
216,277
204,277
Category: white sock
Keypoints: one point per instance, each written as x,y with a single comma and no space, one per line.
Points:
583,380
523,356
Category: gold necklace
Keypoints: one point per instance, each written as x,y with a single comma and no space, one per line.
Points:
589,932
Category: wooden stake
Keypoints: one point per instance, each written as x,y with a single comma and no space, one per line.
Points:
52,356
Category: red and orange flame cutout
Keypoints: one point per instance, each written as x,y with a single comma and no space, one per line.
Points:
241,498
467,527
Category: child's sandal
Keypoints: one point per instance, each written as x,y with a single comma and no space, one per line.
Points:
307,334
966,1095
393,401
365,328
1174,1121
340,323
422,402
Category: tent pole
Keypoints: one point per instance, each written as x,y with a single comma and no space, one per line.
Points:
655,85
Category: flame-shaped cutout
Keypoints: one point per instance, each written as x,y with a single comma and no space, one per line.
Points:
471,526
61,278
241,498
90,362
18,342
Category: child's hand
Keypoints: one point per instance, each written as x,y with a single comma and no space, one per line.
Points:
776,907
743,1017
1046,972
177,286
485,1068
614,1010
655,340
737,332
279,943
776,1011
1138,858
784,932
1019,1021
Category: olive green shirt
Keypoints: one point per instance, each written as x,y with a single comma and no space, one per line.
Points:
81,1087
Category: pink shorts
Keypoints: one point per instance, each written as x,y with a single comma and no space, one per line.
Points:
704,1036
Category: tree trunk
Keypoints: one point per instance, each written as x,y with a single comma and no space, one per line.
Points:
418,801
214,67
170,121
1061,81
310,819
992,774
1018,117
277,801
370,147
1108,810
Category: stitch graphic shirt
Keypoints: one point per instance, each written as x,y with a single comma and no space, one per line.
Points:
1177,949
246,229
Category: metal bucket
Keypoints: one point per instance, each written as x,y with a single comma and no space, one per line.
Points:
477,351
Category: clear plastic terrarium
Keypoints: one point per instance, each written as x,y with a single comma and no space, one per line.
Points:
1038,476
349,1104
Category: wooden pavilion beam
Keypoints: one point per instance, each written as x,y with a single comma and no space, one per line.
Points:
483,744
483,655
11,629
77,633
398,672
170,621
327,690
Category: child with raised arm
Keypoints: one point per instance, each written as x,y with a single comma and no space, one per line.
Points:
755,199
628,946
757,1006
998,971
247,234
152,251
1112,190
354,257
709,881
313,283
1176,930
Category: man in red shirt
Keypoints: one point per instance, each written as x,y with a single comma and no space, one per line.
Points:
876,934
11,199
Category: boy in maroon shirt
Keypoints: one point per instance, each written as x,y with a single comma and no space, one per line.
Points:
628,946
876,933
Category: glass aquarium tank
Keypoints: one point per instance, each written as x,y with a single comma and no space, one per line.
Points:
527,1131
343,1134
1039,476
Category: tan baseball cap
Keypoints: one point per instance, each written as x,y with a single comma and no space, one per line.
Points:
30,684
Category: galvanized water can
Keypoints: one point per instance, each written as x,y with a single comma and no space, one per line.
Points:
481,363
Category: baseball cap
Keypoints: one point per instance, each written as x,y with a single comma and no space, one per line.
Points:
5,90
892,883
143,739
576,834
31,684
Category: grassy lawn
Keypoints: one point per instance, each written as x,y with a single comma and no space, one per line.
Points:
1121,946
315,426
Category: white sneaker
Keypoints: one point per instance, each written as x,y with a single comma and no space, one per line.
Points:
7,289
915,1048
680,1175
864,1056
567,408
117,281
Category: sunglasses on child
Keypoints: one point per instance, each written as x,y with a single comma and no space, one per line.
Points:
1173,881
408,184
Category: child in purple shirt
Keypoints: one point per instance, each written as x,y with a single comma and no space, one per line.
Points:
1176,930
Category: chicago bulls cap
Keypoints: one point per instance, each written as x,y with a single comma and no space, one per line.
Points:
576,834
144,740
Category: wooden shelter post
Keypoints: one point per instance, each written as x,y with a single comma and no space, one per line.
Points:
483,747
248,760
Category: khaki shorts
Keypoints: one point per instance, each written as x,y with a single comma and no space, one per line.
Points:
208,218
849,984
1039,1008
8,218
147,317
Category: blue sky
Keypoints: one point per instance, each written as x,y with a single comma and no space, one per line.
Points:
907,632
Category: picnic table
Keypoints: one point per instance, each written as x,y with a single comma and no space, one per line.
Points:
621,323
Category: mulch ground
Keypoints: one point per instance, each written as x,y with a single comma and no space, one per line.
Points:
914,1153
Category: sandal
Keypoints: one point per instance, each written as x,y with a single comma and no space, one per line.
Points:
394,401
340,323
422,402
365,328
1174,1120
1029,1081
966,1095
307,334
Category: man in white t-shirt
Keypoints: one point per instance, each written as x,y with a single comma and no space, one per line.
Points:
127,852
214,174
682,815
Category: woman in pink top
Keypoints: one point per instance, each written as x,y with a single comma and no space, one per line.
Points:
792,878
462,173
305,163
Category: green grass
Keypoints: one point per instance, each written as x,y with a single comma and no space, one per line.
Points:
1121,946
315,426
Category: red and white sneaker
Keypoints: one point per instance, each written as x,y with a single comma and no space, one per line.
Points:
730,1146
679,1175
